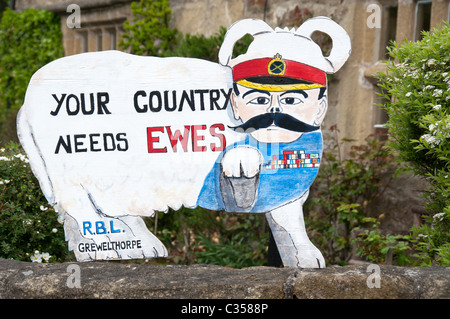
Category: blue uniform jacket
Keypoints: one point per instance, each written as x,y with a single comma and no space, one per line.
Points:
287,173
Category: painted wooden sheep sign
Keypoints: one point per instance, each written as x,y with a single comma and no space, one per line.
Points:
112,137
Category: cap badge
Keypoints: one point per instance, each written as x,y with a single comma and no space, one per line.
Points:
276,66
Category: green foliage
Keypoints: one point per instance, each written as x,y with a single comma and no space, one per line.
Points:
380,248
27,223
341,194
29,228
28,40
200,46
149,32
431,240
417,88
209,237
207,48
3,5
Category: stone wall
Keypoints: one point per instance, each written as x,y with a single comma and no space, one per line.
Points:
120,280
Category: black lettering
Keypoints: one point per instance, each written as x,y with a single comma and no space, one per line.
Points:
77,109
202,101
105,141
136,104
83,104
60,102
66,145
190,100
102,100
150,101
214,95
227,97
122,139
166,102
93,142
174,99
79,143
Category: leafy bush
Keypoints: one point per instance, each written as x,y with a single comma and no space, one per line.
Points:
28,40
431,240
209,237
207,48
417,90
381,248
27,224
342,192
149,32
29,228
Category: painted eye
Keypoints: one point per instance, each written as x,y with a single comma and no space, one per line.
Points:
290,101
260,100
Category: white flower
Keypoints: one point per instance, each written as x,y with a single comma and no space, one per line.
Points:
437,106
54,230
431,140
431,62
45,256
437,93
27,222
37,257
4,158
439,217
408,94
22,157
43,208
432,127
429,87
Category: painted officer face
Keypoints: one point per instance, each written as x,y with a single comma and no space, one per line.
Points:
278,116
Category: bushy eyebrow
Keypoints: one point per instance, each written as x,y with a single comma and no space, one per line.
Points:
296,91
253,91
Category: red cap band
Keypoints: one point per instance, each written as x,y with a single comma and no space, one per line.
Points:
277,67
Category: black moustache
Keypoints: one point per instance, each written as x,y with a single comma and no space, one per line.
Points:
281,120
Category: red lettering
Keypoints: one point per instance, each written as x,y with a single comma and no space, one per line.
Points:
177,136
151,139
221,137
196,138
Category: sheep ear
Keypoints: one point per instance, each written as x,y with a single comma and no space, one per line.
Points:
236,32
341,48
